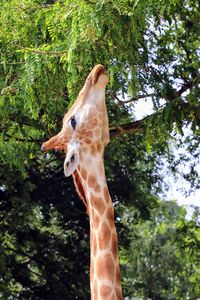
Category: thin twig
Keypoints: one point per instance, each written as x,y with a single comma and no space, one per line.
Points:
135,98
42,52
13,63
132,127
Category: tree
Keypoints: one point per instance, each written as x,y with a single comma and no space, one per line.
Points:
162,261
47,48
44,251
149,49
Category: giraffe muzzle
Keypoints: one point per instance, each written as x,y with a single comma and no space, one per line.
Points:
72,158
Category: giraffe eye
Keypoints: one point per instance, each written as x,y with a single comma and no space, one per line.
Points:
73,122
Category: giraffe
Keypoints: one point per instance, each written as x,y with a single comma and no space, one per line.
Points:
83,136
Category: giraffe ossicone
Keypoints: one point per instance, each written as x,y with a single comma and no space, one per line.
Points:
84,135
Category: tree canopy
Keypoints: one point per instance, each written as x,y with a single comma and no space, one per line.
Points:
150,50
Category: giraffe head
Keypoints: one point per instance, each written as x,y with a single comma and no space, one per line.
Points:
85,125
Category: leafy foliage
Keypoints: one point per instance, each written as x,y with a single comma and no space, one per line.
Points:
47,50
162,261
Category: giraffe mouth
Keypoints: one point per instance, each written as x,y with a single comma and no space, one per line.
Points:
97,72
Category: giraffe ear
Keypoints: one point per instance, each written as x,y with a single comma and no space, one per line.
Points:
71,162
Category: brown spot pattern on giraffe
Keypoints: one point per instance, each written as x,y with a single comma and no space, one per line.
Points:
95,291
84,149
88,141
97,132
114,245
119,293
91,181
97,188
99,147
83,173
91,124
91,271
105,268
98,204
105,291
106,194
94,245
93,150
104,237
95,219
110,215
89,134
118,276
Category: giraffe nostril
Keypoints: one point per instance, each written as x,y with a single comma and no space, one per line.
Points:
72,158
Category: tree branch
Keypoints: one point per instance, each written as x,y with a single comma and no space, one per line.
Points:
187,51
13,63
33,258
8,90
24,140
139,126
184,88
42,52
132,127
135,98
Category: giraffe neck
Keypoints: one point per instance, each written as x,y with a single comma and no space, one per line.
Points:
105,278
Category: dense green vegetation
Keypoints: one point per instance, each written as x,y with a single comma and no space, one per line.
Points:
150,49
